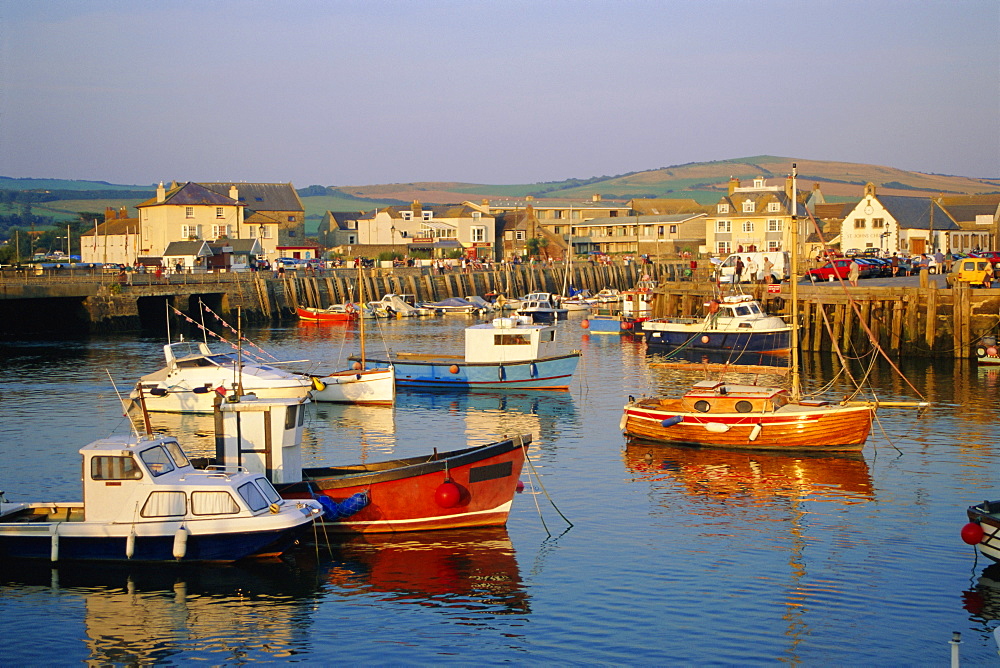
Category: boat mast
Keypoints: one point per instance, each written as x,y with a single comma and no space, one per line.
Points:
794,278
361,312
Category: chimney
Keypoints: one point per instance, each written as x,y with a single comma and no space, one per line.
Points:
123,213
596,197
417,209
160,193
234,194
486,202
109,214
734,183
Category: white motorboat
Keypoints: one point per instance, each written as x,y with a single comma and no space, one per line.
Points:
194,374
143,501
542,307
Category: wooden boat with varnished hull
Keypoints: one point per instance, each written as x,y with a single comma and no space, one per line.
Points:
748,417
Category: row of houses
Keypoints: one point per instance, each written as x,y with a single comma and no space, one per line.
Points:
229,224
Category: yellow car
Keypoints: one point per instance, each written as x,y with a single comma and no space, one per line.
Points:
973,270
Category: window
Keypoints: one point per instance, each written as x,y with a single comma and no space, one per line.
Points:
722,248
252,496
749,206
519,235
407,215
180,459
291,233
511,340
293,417
673,229
878,223
774,225
164,504
773,245
724,226
270,493
724,207
659,230
114,468
859,223
557,215
478,234
189,212
758,183
187,231
773,207
218,231
213,503
218,212
427,215
476,215
291,219
557,229
157,460
748,226
614,214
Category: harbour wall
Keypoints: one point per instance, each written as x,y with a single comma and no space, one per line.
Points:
920,321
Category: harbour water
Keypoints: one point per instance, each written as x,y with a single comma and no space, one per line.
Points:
674,555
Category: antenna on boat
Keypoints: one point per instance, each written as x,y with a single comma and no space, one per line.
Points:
238,371
201,311
794,236
166,306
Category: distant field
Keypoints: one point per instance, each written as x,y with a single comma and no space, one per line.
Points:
68,209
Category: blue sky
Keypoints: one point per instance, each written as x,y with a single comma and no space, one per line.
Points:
352,93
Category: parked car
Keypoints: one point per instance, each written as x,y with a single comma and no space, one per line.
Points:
992,256
839,267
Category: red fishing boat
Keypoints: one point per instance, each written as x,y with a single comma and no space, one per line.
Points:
333,313
471,487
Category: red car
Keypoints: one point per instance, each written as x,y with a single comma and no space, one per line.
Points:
994,257
836,267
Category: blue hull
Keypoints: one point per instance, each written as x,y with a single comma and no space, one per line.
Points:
721,341
551,373
599,325
222,547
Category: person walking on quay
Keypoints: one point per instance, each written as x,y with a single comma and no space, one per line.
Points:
768,276
751,270
739,269
852,273
895,264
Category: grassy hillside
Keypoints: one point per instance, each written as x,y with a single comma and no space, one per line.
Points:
701,181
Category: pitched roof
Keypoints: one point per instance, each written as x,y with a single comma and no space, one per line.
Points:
191,194
188,248
665,206
114,227
915,212
239,246
262,196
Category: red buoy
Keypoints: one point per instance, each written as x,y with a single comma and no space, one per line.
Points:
585,324
992,351
520,486
626,324
972,533
448,494
357,366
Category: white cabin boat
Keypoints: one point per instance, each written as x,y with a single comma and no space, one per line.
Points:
144,501
542,307
194,373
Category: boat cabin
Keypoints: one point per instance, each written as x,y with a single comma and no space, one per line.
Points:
509,339
263,437
712,396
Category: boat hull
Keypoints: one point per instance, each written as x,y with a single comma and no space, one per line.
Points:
179,400
152,542
791,428
307,314
987,516
698,338
372,386
404,495
550,373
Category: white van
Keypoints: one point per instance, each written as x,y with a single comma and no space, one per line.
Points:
781,260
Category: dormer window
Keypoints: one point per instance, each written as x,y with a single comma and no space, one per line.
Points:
427,215
773,207
758,183
407,215
748,206
724,207
476,215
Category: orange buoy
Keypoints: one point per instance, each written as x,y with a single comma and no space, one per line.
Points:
453,368
705,339
585,324
626,324
357,366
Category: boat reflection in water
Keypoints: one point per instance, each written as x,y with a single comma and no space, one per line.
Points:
486,415
983,600
699,357
458,571
135,615
756,476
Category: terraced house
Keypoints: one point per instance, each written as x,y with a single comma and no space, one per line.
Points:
757,217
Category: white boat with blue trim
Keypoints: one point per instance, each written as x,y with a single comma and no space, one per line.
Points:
506,353
144,502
